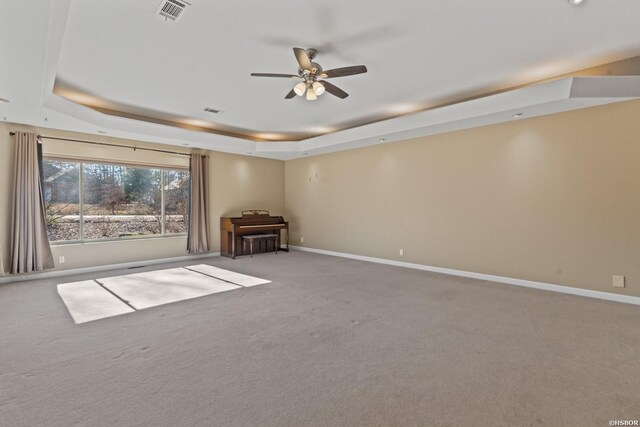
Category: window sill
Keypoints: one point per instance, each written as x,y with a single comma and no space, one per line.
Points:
117,239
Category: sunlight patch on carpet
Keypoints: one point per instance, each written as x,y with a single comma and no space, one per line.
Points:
144,290
229,276
106,297
87,301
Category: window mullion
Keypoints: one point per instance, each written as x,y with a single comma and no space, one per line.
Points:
162,212
81,200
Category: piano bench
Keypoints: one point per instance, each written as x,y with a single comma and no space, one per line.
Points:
275,238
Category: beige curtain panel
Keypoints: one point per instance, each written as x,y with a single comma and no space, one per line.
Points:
199,219
30,249
1,263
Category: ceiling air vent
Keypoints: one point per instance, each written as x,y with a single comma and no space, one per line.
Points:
172,9
212,110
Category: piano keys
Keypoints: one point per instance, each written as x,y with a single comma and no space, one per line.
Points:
254,221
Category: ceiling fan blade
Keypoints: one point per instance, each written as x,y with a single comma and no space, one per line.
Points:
288,76
334,90
344,71
303,58
290,95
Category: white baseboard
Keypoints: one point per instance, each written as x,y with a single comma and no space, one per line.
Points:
98,268
500,279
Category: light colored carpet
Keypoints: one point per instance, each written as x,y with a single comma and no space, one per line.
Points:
330,342
88,301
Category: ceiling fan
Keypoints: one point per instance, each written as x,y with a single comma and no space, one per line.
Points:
312,76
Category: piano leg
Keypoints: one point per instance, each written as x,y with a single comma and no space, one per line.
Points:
233,245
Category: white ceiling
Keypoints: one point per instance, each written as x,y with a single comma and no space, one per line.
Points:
419,53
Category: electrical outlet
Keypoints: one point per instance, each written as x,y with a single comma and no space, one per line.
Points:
401,252
61,259
302,240
618,281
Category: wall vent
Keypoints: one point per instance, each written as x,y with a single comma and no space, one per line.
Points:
213,110
172,9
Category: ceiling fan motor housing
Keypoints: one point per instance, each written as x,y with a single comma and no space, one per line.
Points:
316,70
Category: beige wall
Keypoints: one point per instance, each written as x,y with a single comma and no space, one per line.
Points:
242,182
553,199
237,183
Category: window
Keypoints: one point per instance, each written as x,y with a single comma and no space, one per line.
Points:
62,199
89,201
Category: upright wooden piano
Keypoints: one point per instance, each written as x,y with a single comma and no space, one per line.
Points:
255,221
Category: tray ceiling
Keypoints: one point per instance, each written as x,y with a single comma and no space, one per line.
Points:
143,69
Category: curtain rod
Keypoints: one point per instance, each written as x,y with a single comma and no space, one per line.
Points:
109,145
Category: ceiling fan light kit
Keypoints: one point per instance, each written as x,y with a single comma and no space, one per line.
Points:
318,88
300,88
311,95
312,76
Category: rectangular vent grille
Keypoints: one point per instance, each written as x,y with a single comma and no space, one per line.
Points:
172,9
212,110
